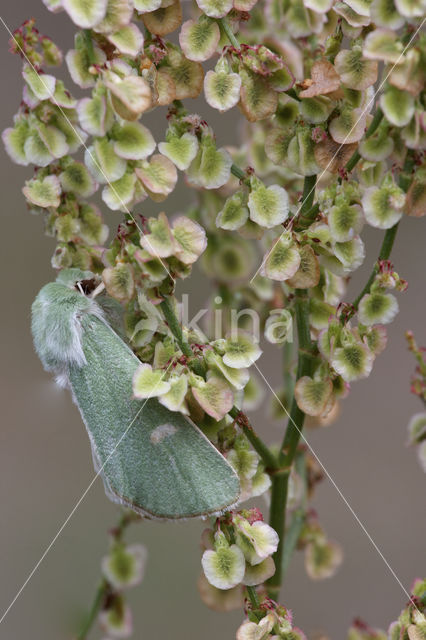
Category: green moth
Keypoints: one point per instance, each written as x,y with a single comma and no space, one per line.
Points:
152,460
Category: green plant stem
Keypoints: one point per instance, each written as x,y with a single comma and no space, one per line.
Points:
308,212
298,519
279,490
304,367
195,365
287,366
280,480
253,597
291,538
87,34
355,157
406,175
229,33
308,193
257,444
99,598
176,329
239,173
303,222
292,93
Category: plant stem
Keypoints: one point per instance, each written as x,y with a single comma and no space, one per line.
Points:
304,221
89,46
257,444
308,193
292,93
279,491
176,329
308,212
280,480
291,538
229,33
298,520
304,366
287,363
101,592
238,172
195,365
405,177
253,597
355,157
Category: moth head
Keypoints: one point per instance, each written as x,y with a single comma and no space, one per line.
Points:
59,314
71,277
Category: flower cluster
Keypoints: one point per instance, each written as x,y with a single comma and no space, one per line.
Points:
147,262
277,624
239,550
348,352
412,620
411,623
224,364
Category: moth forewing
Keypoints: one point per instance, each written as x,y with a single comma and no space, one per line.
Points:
153,460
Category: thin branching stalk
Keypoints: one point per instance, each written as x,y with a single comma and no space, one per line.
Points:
229,33
253,597
238,173
87,35
260,447
307,211
280,479
96,607
298,518
176,329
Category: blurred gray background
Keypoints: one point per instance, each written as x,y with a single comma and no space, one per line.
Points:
46,464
